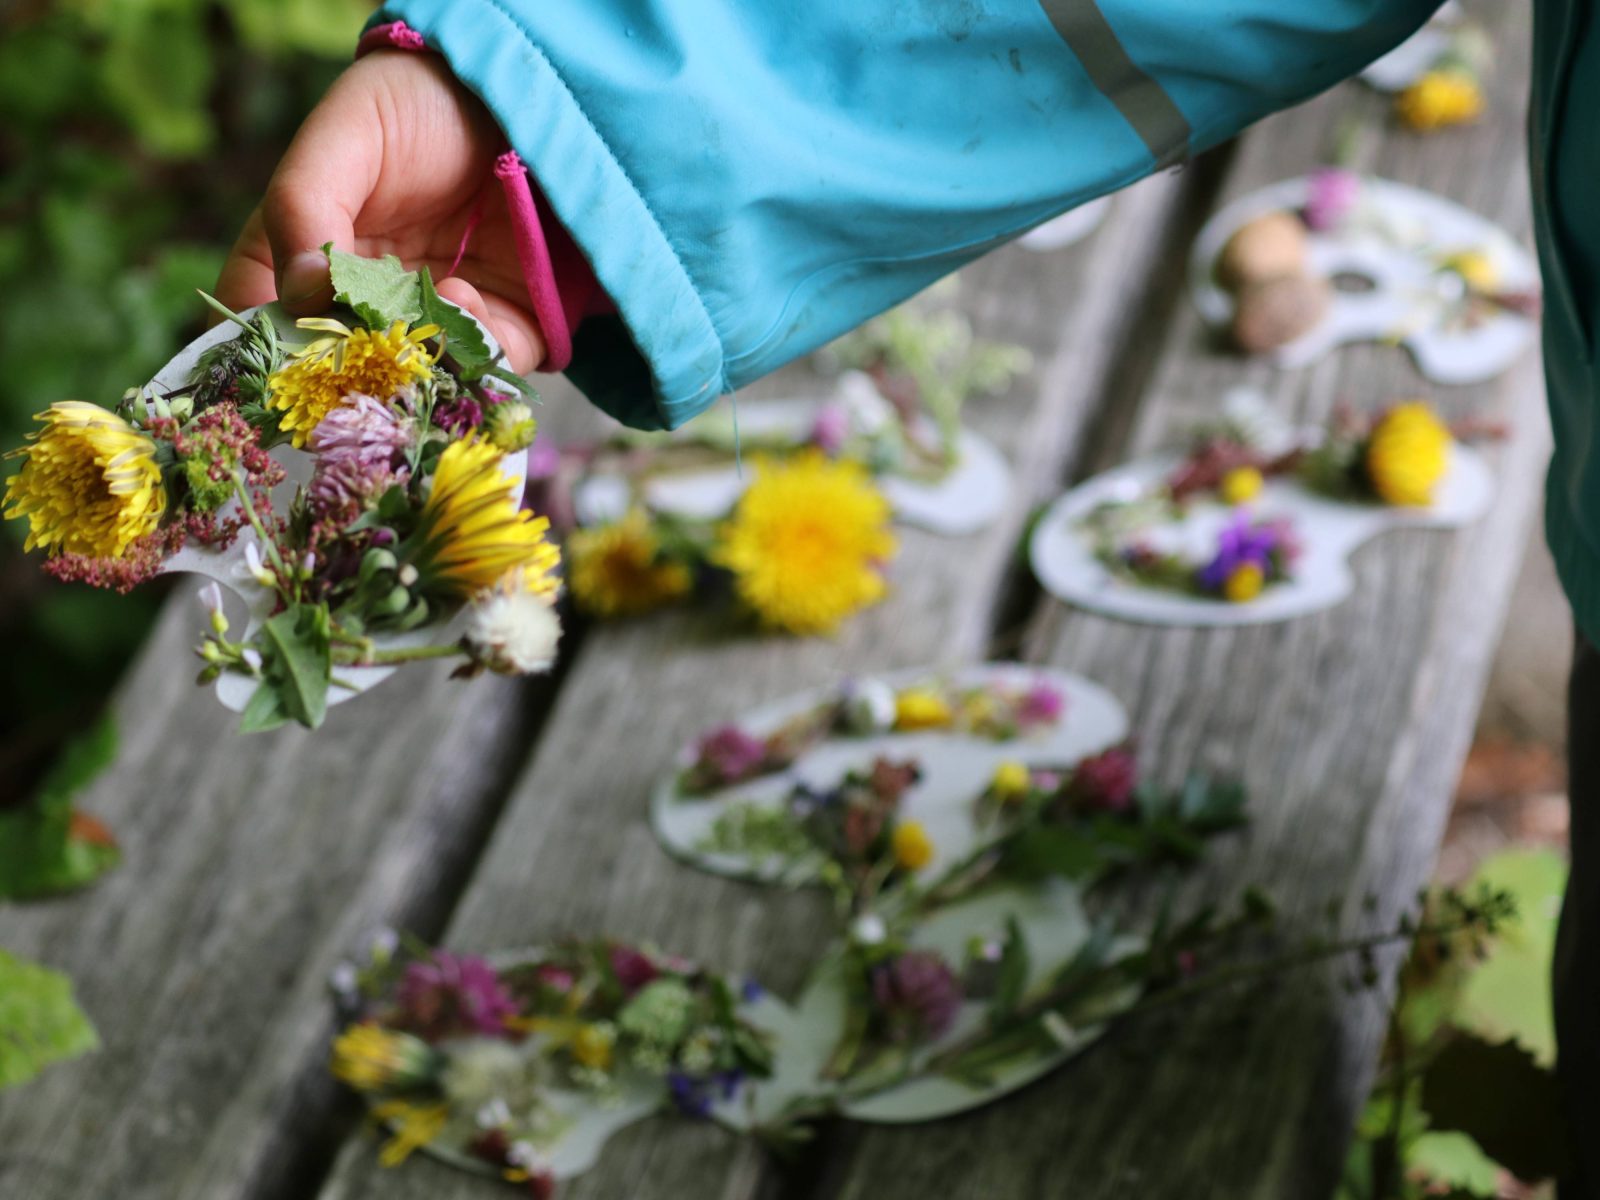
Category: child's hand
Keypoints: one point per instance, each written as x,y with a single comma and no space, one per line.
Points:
392,161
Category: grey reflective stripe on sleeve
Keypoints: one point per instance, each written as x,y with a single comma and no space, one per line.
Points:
1139,98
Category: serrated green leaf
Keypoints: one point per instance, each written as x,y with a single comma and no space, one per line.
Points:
1503,1099
380,290
1508,994
463,337
506,375
264,711
40,1023
1455,1160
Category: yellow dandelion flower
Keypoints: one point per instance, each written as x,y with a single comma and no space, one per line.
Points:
1011,780
1241,485
592,1045
471,533
414,1126
1244,583
372,362
1476,268
807,542
1407,454
913,848
89,482
921,708
1440,98
617,570
372,1059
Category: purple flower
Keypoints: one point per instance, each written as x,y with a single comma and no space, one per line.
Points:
544,459
917,994
1331,194
633,968
459,416
1242,542
449,993
750,991
729,754
359,447
1106,781
693,1095
1042,704
831,428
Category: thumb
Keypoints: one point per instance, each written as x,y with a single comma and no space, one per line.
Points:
301,214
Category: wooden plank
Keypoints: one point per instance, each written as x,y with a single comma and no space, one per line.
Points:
251,865
574,853
1350,727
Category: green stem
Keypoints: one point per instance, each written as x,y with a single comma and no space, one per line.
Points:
402,654
242,491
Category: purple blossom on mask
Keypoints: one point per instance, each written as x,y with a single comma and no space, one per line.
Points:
917,994
1242,542
1042,704
831,428
1330,196
633,968
693,1095
728,754
448,994
1106,781
359,448
544,459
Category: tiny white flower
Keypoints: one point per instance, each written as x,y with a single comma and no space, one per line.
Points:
252,659
342,980
494,1115
385,942
513,632
256,569
525,1155
868,929
868,706
211,601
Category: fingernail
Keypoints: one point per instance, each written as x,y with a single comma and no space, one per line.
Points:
304,275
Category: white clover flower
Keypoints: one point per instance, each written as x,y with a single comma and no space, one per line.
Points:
480,1071
512,631
868,929
526,1155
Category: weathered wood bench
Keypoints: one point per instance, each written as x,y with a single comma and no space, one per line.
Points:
500,815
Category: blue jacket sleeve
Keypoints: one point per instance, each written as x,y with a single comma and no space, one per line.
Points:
751,179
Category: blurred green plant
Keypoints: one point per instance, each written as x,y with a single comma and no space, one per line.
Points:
138,135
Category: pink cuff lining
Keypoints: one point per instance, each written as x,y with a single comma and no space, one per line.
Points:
561,286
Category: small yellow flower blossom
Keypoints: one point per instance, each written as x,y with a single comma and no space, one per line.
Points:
414,1126
617,570
89,483
1476,268
1440,98
1245,583
1241,485
913,848
921,708
471,532
371,362
1011,780
592,1045
807,543
371,1059
1407,454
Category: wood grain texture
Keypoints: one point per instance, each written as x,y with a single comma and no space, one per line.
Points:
1349,727
574,853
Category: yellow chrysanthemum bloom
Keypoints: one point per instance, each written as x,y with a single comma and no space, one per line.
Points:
373,362
1011,780
807,542
1408,453
372,1059
471,533
1440,98
617,570
1244,583
89,482
913,848
1241,485
414,1125
921,708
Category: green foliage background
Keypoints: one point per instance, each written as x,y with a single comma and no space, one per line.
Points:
137,136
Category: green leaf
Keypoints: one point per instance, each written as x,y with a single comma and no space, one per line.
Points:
1040,853
380,290
1497,1094
463,337
506,375
1508,995
1012,978
264,711
40,1023
38,853
297,663
1454,1159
